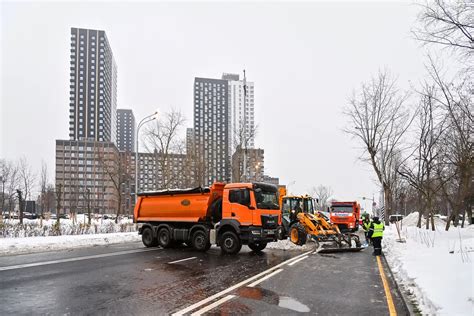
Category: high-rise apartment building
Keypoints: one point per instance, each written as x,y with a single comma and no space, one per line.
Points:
85,170
93,87
125,130
241,113
254,165
211,128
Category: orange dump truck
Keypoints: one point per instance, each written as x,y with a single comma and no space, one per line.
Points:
228,215
346,215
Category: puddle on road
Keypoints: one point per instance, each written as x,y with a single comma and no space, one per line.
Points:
273,298
291,303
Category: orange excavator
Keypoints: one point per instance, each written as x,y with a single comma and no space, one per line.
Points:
300,220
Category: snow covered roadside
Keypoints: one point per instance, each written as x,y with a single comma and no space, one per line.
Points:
436,267
10,246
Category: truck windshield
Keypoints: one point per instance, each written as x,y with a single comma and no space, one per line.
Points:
266,199
342,209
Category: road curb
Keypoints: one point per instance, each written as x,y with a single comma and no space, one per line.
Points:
405,299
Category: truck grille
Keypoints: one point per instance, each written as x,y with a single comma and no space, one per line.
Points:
269,221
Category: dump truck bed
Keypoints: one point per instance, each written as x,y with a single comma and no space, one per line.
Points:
190,205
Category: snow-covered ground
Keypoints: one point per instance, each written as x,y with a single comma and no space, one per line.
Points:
31,228
436,267
9,246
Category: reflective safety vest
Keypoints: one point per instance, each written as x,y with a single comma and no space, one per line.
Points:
378,230
366,225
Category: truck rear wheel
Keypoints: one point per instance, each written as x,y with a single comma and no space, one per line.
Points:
298,234
230,243
164,238
200,241
148,239
258,246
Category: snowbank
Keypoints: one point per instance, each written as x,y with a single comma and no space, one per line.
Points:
31,228
412,219
436,267
38,244
288,245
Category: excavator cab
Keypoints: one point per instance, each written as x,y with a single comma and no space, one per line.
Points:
291,206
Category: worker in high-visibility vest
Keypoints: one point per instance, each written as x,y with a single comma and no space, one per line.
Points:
366,225
375,234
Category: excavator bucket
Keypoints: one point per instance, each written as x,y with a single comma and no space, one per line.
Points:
335,250
342,243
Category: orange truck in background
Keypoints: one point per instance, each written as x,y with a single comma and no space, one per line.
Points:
228,215
346,215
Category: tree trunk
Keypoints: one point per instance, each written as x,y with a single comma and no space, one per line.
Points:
119,206
388,203
420,215
432,222
448,222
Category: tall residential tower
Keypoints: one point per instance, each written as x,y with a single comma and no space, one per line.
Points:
93,87
241,113
211,128
125,130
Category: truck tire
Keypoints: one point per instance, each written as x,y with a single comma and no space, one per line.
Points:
258,246
230,243
148,239
200,241
298,234
164,238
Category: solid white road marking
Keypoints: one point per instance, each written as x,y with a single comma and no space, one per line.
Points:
296,261
191,258
213,305
268,276
44,263
229,289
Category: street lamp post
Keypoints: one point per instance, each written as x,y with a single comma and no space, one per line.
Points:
145,120
373,202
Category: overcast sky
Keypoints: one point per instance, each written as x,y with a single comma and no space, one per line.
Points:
305,60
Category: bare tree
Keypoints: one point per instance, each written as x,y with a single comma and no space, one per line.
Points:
163,140
59,197
9,180
323,194
379,120
241,143
447,23
421,174
43,187
117,168
27,178
457,160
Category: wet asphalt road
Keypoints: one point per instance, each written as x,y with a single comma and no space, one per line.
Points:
128,279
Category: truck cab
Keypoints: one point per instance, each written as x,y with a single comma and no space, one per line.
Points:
345,215
250,211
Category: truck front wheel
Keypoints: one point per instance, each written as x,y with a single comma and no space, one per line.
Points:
258,246
230,243
147,238
164,238
200,241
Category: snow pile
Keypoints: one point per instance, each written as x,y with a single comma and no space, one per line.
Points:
286,244
434,266
412,220
9,246
32,228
